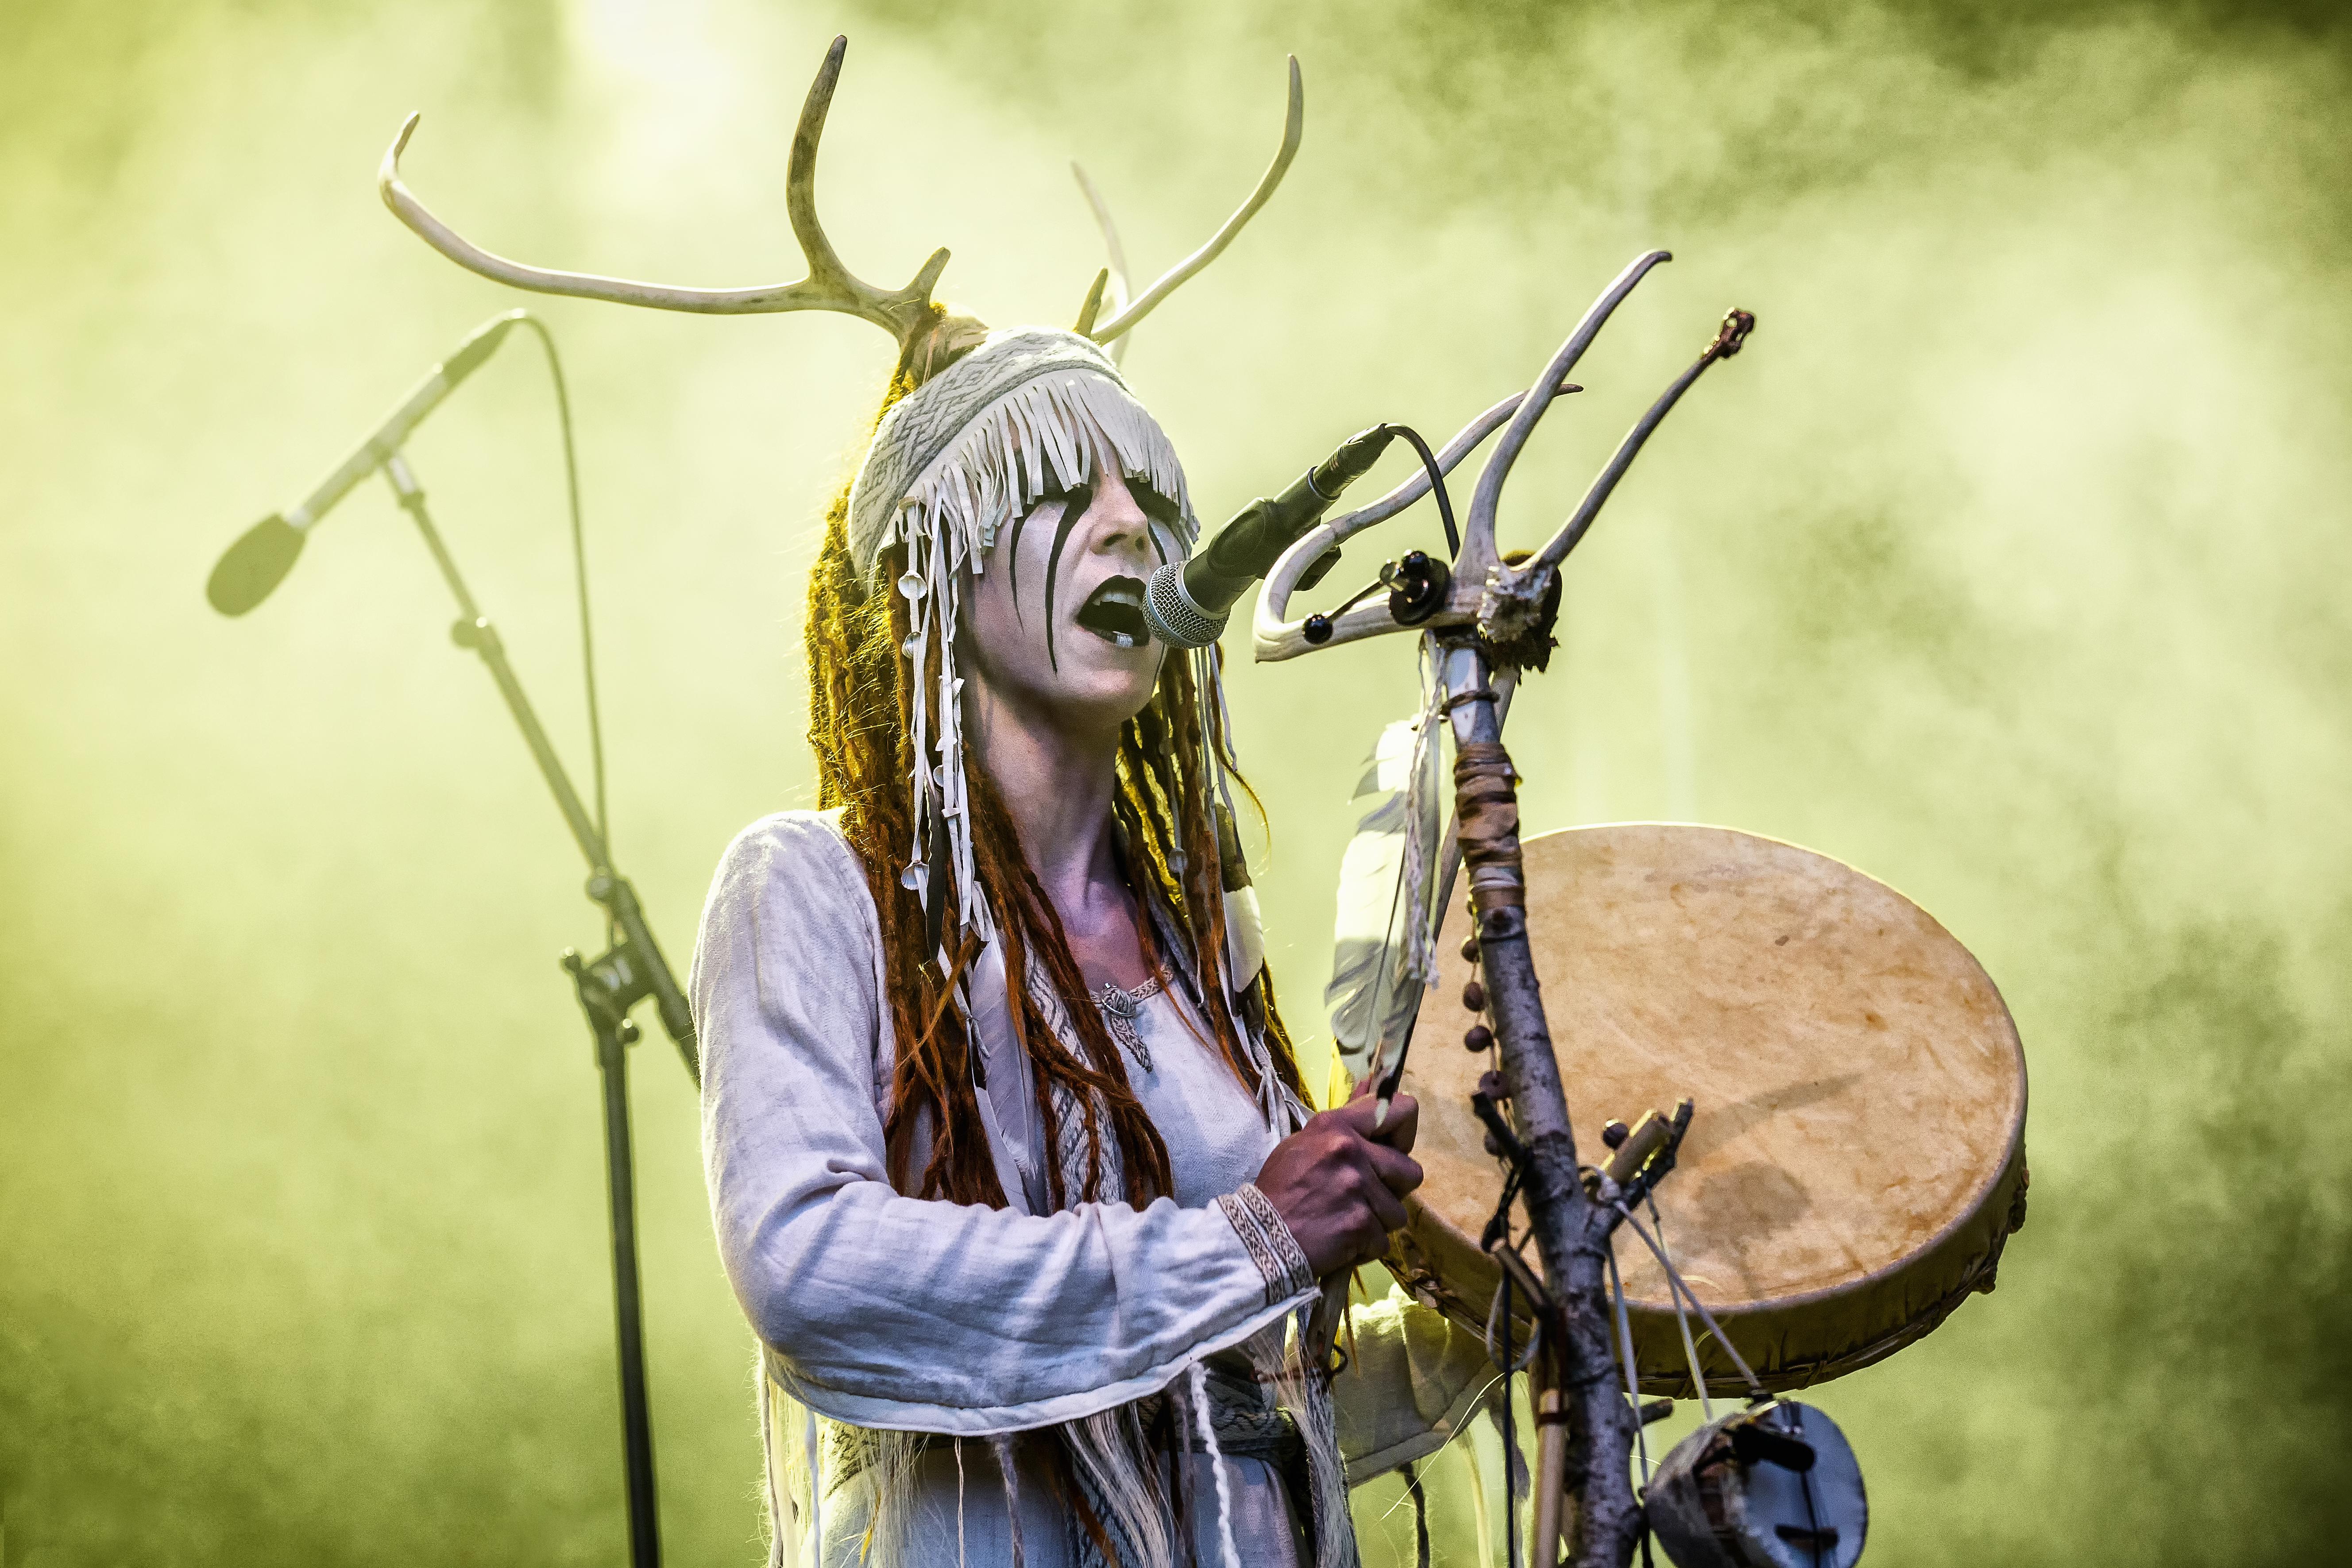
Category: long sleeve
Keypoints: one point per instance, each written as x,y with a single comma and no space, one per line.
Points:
886,1311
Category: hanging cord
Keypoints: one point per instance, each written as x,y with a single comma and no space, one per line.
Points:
580,582
1675,1282
1791,1414
1682,1317
1499,1310
1683,1293
1510,1430
960,1560
1419,1517
1198,1376
1633,1395
1625,1362
1409,898
817,1483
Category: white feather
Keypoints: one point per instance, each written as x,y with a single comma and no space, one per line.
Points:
1372,995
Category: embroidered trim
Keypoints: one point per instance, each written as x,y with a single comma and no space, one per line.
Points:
1121,1009
1270,1245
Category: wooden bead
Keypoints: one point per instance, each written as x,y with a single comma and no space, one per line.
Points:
1480,1039
1473,996
1490,1084
1470,948
1614,1134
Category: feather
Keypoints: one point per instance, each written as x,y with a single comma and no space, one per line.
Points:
1379,959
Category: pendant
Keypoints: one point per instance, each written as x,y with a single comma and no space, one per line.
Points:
1121,1009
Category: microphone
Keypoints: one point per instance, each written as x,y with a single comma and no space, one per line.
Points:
254,566
1186,604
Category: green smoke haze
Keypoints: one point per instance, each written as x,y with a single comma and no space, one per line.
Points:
2006,565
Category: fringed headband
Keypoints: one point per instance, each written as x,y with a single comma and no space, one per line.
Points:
1023,415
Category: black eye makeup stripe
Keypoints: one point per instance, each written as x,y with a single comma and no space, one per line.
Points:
1013,555
1073,510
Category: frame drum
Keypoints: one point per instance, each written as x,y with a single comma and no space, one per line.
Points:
1857,1158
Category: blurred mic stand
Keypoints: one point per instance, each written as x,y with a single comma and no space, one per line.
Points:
630,969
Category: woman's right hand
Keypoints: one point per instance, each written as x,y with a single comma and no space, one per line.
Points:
1340,1187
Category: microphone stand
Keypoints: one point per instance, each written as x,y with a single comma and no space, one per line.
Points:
630,970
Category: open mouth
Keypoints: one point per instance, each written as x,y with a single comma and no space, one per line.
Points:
1113,612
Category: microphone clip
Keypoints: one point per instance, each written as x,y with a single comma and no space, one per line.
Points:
1417,586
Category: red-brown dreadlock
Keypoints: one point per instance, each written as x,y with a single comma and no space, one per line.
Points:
861,728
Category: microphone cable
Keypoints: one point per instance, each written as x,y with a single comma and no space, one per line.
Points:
580,583
1436,487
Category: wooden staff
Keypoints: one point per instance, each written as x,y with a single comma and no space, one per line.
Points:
1589,1490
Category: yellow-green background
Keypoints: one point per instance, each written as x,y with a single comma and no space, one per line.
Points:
2006,564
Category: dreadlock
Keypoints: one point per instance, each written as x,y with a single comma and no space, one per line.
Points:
861,727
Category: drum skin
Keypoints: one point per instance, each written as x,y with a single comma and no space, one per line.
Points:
1857,1158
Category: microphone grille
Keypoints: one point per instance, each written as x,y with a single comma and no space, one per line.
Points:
1172,615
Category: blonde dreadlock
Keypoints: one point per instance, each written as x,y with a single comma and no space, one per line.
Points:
860,727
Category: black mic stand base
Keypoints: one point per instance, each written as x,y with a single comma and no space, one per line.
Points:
603,986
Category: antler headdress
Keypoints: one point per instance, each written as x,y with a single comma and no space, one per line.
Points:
906,313
996,420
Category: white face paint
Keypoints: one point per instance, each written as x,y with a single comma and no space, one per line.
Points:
1056,618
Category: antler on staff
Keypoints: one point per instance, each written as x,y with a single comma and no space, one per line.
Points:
1502,599
1479,555
1730,338
830,286
1276,640
1293,127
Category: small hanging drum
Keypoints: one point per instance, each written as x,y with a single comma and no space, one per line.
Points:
1770,1488
1857,1159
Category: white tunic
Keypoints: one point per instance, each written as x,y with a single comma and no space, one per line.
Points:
887,1311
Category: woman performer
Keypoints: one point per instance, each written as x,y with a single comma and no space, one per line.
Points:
953,1204
1011,1163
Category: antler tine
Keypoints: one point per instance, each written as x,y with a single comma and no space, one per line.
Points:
1115,273
1730,338
1093,306
1175,278
828,287
1478,552
901,313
